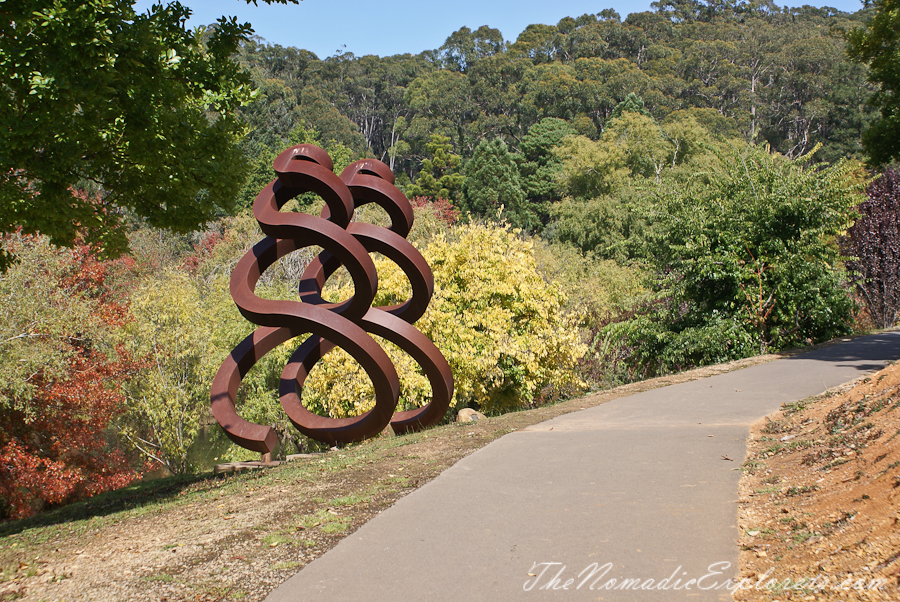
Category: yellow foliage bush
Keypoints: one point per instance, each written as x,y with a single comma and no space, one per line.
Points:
169,399
501,327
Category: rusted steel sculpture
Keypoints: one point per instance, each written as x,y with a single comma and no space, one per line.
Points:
307,168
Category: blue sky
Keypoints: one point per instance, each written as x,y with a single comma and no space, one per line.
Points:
389,27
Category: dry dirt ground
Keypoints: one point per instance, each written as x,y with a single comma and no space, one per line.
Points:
820,497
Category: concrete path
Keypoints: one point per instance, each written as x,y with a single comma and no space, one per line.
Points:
636,488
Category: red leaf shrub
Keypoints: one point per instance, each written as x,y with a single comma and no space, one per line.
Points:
202,250
442,208
873,244
54,444
60,453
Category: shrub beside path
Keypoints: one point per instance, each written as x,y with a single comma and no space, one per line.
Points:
638,488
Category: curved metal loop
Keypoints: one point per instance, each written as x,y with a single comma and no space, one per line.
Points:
370,167
404,336
376,240
347,325
307,168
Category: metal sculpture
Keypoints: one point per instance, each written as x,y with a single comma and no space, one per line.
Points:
308,168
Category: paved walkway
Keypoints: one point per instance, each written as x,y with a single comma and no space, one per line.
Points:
636,488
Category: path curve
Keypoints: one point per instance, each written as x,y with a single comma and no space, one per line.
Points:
637,488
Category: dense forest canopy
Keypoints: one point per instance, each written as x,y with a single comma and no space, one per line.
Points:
766,73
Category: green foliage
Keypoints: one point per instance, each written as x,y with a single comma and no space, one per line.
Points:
632,104
145,109
540,169
650,148
595,289
492,187
500,325
646,147
440,177
747,261
607,135
442,105
645,346
59,377
610,227
776,75
464,47
590,169
169,399
43,318
317,112
537,43
260,171
878,44
609,180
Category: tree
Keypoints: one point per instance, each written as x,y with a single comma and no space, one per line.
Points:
260,171
144,110
464,47
538,43
540,168
591,169
549,90
494,82
501,326
879,46
59,377
873,245
647,150
605,84
168,400
746,261
605,227
440,177
493,189
442,104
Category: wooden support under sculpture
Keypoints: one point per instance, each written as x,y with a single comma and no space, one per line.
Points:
348,325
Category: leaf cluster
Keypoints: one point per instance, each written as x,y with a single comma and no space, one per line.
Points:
747,261
872,246
143,110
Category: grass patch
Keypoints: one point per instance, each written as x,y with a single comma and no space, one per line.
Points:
793,408
324,519
751,465
767,490
335,527
287,566
790,446
137,499
773,427
274,539
802,536
348,500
